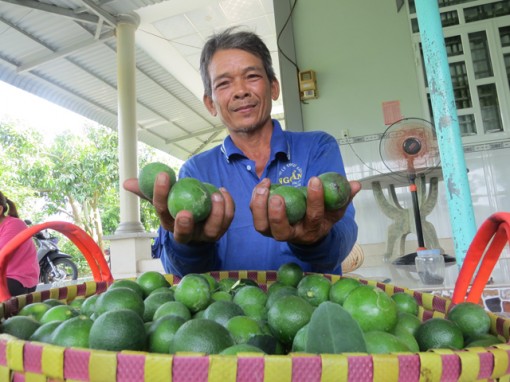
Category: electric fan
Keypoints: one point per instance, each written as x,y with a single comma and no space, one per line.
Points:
408,148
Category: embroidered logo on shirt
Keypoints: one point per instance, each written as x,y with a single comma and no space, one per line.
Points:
291,175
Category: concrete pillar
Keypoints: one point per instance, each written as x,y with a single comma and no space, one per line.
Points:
131,243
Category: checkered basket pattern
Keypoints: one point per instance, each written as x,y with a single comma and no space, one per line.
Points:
25,361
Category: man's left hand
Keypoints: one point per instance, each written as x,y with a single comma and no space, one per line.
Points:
270,218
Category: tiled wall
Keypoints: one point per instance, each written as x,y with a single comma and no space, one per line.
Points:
496,300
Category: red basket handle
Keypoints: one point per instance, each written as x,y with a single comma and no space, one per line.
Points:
490,240
86,245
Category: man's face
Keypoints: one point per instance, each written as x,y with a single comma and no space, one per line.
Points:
241,91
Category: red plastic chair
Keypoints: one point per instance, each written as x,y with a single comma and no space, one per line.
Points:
86,245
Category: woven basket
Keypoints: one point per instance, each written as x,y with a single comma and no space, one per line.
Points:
25,361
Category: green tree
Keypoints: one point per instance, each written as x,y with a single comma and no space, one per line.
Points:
75,176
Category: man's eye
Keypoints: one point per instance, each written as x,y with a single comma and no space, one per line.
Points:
222,84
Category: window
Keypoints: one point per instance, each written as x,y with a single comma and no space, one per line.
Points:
477,42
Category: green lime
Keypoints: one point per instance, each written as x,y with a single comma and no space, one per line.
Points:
406,323
472,319
153,302
241,348
221,296
373,309
439,333
201,335
172,308
242,328
295,202
149,281
89,305
21,327
213,284
287,315
131,284
314,288
147,177
341,289
249,294
299,342
77,302
118,330
222,311
162,331
59,313
289,274
193,291
44,332
191,195
405,303
279,293
255,311
73,332
54,302
379,342
337,190
35,309
119,298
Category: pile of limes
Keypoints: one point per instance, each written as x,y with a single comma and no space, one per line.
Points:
299,312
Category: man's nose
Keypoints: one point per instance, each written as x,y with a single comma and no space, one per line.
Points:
241,91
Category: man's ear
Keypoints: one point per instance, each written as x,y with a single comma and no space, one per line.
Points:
209,104
275,89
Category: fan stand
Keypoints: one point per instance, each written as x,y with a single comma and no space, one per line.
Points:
410,258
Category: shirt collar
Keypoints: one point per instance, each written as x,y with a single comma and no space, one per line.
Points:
279,144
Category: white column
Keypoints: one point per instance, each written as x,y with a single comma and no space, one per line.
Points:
131,245
126,93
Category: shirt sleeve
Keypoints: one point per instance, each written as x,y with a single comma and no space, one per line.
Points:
181,259
328,254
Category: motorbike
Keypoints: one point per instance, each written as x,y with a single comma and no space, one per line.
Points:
55,265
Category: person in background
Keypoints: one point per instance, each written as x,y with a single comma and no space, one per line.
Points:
247,229
23,268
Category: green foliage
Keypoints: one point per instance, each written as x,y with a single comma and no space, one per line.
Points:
323,333
74,178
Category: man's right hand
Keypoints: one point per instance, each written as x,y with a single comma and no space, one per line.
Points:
183,226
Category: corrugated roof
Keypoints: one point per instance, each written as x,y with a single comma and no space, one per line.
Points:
65,52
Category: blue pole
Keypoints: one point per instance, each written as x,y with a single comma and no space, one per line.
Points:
446,122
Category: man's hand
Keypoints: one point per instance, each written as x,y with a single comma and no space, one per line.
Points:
270,218
183,227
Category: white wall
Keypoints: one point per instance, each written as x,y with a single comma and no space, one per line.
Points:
362,53
363,56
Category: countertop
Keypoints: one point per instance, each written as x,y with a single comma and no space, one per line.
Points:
406,276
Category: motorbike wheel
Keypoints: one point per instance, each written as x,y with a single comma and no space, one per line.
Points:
66,271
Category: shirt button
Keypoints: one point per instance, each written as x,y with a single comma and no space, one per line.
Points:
248,168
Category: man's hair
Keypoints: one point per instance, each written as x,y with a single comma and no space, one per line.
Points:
232,39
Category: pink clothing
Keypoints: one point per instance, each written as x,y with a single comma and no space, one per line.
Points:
23,265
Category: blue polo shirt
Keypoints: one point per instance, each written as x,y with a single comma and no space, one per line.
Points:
295,157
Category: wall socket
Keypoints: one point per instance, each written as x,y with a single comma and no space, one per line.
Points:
344,133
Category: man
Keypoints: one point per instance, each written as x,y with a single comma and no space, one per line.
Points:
246,229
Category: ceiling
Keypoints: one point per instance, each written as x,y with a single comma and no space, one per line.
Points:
65,51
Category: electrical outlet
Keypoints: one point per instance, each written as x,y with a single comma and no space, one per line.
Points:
344,133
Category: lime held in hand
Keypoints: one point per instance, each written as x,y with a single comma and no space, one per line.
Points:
147,177
295,202
190,194
337,190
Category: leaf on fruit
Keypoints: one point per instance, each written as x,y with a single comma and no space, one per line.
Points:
332,330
